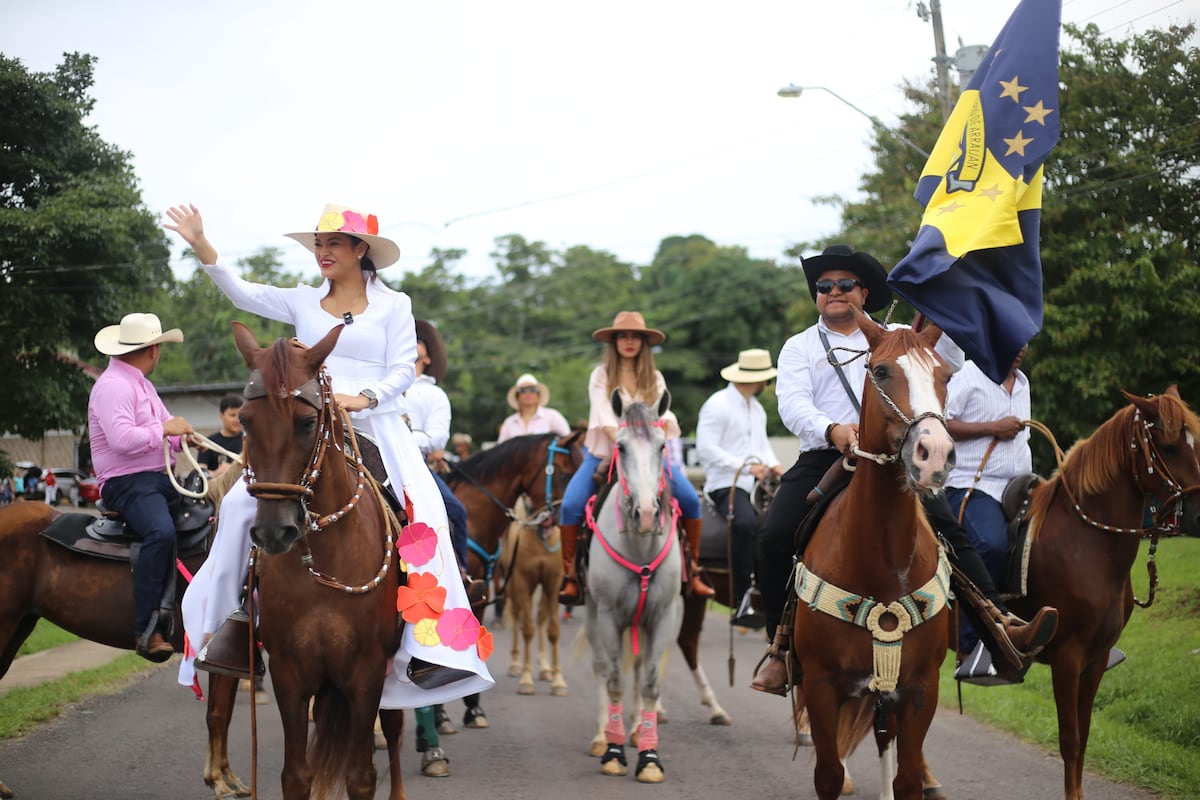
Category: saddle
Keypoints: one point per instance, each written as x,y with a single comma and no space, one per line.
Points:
1015,502
106,537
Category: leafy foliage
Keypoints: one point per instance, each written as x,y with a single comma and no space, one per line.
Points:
78,249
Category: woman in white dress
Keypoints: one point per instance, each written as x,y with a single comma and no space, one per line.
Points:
371,367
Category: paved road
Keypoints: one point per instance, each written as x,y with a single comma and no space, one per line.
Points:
147,744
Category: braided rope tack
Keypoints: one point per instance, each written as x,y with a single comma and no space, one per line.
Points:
908,612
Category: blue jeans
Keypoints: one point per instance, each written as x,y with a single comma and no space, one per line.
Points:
582,486
142,499
456,515
988,531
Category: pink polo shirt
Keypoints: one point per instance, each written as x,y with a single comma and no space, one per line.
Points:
125,423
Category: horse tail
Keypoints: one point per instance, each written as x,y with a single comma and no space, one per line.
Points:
854,723
330,752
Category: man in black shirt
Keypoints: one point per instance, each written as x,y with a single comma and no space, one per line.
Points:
229,437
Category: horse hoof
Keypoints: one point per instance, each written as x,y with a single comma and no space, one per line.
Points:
614,762
720,719
597,749
434,763
474,718
526,689
614,767
651,774
380,741
848,784
444,726
514,671
933,793
545,675
558,691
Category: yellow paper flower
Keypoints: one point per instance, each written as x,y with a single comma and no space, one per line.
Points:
425,632
333,221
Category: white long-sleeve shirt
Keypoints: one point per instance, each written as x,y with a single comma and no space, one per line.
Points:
731,429
811,396
428,414
975,398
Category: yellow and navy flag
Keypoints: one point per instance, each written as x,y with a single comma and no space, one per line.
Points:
974,267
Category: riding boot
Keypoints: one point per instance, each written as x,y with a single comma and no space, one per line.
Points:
774,673
1027,638
571,593
696,586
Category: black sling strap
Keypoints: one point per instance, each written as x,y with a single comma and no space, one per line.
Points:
838,367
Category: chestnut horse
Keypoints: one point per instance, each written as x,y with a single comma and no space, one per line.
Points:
489,483
870,633
320,521
93,598
1085,528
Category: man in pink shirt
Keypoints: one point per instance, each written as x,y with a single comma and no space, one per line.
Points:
127,423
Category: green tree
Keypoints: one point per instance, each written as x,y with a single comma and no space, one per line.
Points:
78,248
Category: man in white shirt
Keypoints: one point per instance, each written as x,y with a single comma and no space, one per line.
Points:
820,404
731,442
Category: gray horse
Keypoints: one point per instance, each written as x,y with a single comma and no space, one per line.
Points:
634,573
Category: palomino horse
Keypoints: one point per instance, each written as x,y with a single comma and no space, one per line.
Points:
1085,527
489,484
531,553
318,511
634,573
869,633
92,598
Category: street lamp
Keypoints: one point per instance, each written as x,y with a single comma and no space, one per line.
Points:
792,90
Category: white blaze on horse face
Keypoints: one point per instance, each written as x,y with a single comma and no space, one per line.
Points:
642,467
932,443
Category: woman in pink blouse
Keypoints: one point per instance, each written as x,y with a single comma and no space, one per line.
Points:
530,399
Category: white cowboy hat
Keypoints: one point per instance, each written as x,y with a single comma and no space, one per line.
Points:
135,332
382,251
752,366
526,381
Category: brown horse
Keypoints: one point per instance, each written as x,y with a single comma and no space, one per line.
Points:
1085,528
870,633
531,554
489,483
92,598
319,521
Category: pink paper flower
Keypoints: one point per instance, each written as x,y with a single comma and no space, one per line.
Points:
354,222
417,543
458,628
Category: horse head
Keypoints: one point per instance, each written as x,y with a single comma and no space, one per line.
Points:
640,453
289,424
909,380
1169,435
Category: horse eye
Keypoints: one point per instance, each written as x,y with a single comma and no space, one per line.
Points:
307,425
880,372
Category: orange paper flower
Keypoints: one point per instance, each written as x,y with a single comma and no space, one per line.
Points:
485,645
421,599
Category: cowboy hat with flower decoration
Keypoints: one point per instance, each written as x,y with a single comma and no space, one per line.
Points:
527,381
134,332
630,321
752,366
382,251
870,273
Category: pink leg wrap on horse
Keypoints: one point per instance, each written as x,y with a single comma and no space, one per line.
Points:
648,737
614,731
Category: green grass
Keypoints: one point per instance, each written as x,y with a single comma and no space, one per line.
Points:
23,709
1146,720
45,636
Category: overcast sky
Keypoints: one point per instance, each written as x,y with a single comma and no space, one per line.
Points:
610,125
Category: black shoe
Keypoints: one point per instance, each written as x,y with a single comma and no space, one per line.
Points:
977,668
1115,656
747,616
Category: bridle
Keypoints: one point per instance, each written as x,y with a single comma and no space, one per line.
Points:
318,394
663,475
884,459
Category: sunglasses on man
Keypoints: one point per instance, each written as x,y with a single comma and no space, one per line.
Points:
844,285
527,390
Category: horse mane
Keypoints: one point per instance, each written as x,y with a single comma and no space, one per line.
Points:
1094,463
906,340
640,418
275,369
487,465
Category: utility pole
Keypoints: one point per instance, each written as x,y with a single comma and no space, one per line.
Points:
941,60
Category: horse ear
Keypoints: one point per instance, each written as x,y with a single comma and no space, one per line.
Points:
615,399
315,356
247,345
570,439
930,333
664,402
869,326
1173,390
1147,405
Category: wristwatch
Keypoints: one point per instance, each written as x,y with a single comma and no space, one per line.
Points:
372,398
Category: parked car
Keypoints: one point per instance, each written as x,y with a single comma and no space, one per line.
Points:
74,486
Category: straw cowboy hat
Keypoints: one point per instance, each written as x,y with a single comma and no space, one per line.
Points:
135,332
523,382
752,366
630,321
843,257
359,224
435,348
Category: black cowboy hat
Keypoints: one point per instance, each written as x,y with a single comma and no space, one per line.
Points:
434,347
843,257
